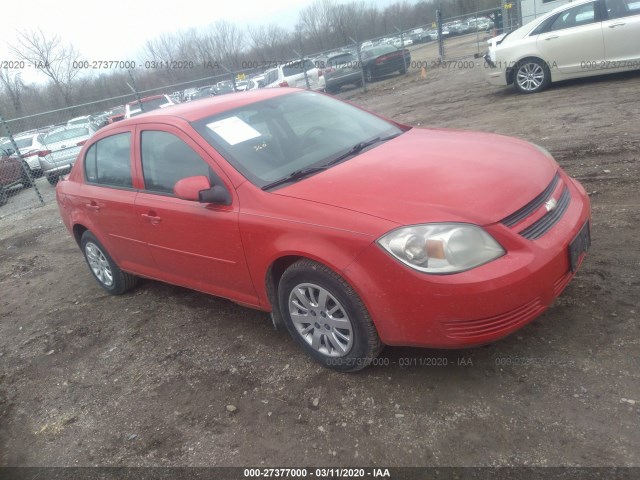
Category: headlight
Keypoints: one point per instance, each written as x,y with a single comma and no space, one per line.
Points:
442,247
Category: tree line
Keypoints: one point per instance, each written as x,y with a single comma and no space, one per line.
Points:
221,48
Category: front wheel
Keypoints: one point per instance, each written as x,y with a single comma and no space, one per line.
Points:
326,317
531,75
103,268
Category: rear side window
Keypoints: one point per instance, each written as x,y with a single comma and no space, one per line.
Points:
167,159
622,8
574,17
108,161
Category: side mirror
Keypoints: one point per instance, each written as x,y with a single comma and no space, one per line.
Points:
216,194
189,188
199,189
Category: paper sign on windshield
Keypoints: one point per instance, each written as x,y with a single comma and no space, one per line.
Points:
233,130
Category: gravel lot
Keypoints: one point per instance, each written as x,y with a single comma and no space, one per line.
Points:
145,379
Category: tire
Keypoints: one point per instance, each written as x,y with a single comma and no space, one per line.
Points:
531,75
337,332
53,180
104,269
4,196
27,181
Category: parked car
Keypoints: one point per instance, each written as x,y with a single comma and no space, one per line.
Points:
29,144
340,69
83,121
116,115
579,39
12,174
383,60
354,231
223,88
203,93
292,74
147,104
61,147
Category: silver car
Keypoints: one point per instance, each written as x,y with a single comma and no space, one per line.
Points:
61,147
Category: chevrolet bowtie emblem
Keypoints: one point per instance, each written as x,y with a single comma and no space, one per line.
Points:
551,205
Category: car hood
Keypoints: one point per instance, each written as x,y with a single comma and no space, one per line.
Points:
434,175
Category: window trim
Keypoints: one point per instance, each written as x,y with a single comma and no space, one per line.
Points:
597,18
131,169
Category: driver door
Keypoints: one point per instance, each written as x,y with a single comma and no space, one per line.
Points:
193,244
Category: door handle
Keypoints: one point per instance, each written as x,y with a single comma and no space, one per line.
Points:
551,37
93,206
152,217
614,25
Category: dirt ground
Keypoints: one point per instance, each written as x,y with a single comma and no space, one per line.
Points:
145,379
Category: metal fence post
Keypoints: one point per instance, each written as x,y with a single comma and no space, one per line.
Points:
440,38
358,50
404,57
304,70
135,89
25,167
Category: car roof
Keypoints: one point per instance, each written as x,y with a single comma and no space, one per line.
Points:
206,107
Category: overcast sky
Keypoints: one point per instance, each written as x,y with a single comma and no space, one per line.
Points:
117,29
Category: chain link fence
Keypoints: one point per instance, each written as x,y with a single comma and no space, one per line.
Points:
40,147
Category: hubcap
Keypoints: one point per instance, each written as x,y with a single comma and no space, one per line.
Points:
530,76
321,320
99,264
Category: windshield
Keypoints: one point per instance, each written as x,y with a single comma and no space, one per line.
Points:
268,140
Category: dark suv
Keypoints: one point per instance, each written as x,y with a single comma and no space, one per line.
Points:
11,174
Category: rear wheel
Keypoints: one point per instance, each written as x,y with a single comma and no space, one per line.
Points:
103,268
326,317
4,197
52,179
531,75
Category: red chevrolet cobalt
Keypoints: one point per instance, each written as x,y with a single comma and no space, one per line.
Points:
353,230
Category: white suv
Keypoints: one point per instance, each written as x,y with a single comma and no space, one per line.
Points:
29,144
292,75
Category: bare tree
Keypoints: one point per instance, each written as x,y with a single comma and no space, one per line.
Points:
14,87
51,57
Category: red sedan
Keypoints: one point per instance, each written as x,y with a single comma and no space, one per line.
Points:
354,231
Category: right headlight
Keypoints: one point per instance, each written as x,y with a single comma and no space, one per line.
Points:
442,247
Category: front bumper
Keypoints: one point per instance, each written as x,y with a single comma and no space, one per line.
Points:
474,307
495,73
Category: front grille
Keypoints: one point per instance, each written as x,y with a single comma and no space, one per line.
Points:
494,325
532,206
544,224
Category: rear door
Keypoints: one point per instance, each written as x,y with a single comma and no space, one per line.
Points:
108,199
621,30
573,38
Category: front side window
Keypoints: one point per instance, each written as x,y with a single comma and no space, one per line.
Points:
167,159
574,17
108,161
268,140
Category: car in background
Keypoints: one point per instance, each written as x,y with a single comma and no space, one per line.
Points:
339,70
61,147
579,39
223,88
383,60
12,174
292,74
147,104
83,120
116,114
202,92
352,230
241,85
29,144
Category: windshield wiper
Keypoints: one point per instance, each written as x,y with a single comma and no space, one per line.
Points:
303,172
